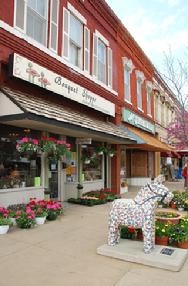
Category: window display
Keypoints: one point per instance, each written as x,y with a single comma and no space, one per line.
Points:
17,171
92,164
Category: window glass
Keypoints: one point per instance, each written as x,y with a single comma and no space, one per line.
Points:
139,93
127,84
92,164
76,35
76,30
16,170
36,25
101,61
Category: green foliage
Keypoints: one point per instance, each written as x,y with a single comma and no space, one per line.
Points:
162,229
5,221
179,232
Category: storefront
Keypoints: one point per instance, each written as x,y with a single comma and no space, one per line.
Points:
39,112
140,157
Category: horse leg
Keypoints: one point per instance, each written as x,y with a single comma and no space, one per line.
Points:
113,229
153,233
148,236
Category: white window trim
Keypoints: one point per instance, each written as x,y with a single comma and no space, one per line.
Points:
110,74
76,13
25,21
88,49
102,38
128,64
140,76
129,102
15,12
141,109
47,51
68,34
57,25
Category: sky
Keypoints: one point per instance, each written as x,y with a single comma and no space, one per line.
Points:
156,25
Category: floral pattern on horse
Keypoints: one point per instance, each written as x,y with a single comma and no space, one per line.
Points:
139,213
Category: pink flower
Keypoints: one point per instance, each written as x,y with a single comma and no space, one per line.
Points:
17,146
28,211
68,145
29,216
35,141
25,140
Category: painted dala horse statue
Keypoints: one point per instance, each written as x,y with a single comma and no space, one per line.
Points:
138,213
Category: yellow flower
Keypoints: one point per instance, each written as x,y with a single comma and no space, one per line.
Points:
163,230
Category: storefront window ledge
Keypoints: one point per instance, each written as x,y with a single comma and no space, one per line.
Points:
20,189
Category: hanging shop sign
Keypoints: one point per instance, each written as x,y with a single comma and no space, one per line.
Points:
38,75
136,120
83,140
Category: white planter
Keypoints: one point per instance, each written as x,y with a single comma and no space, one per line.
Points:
40,220
111,155
100,153
4,229
13,220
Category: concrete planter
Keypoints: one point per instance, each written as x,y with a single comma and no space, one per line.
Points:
40,220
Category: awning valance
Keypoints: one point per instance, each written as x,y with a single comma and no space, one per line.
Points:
17,106
149,142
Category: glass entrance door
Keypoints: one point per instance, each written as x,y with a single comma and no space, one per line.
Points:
53,180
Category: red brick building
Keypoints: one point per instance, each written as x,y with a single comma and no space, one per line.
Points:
69,69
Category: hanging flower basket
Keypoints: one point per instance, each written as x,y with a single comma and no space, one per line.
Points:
28,147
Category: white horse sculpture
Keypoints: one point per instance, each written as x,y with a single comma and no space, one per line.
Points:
138,213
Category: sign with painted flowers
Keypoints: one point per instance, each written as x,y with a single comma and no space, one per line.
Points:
31,72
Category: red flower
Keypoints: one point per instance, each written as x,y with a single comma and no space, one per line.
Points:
131,229
44,138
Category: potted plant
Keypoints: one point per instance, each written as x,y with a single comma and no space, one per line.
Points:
179,234
40,215
110,152
28,146
25,218
162,231
168,217
5,223
100,150
39,208
12,216
54,209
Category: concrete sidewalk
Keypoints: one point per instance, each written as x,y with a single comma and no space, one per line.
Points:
63,253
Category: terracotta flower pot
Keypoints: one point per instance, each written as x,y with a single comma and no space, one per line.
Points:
161,240
183,244
139,235
173,205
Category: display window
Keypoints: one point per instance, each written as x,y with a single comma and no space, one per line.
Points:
92,163
18,170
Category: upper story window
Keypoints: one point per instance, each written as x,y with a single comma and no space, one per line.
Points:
76,39
102,59
148,93
128,68
140,79
31,17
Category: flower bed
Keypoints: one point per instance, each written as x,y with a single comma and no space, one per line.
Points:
94,198
165,233
26,215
